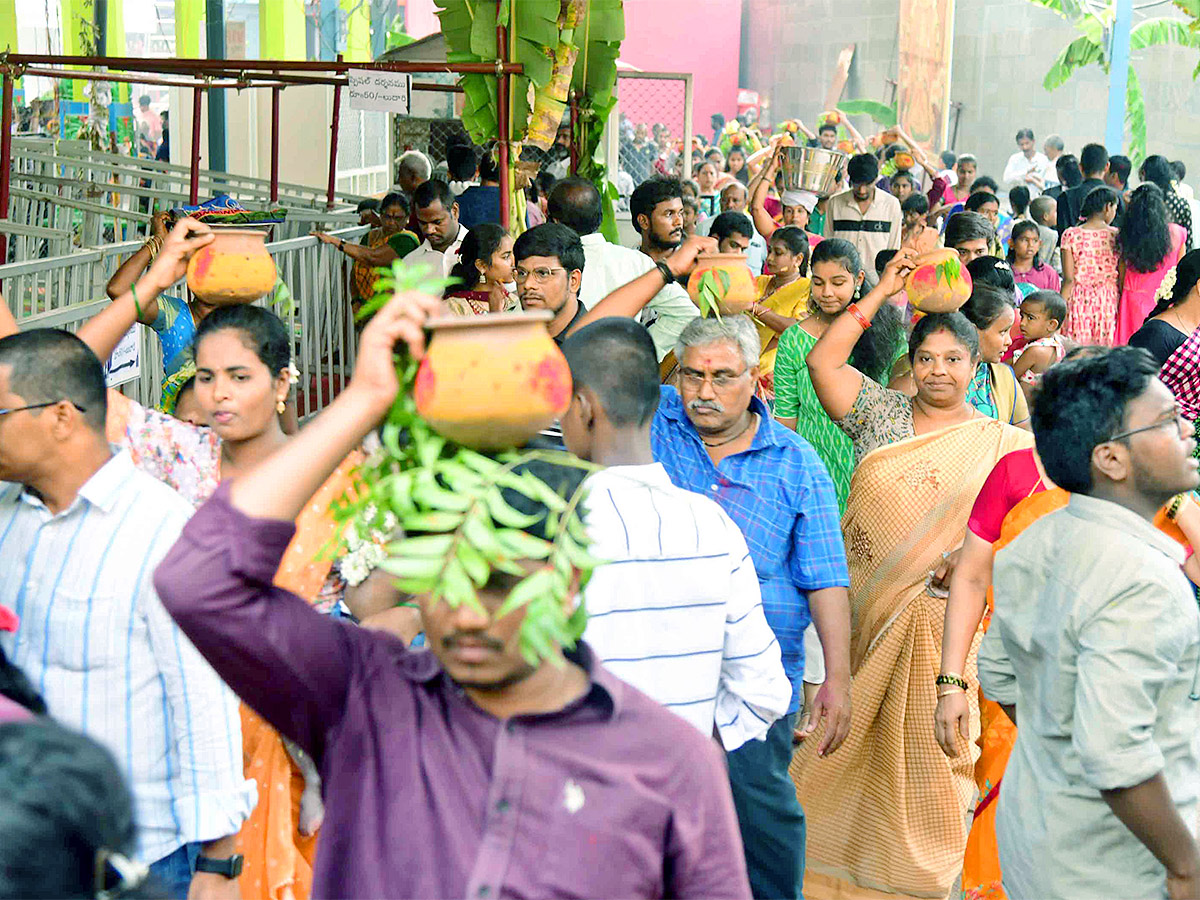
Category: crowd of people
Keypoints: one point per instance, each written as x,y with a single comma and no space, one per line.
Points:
846,547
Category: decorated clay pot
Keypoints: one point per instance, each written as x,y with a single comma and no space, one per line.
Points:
724,279
492,382
939,282
235,268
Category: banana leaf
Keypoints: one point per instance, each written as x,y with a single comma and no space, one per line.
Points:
1079,53
882,113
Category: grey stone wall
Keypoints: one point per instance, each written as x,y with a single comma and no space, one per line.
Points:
1002,50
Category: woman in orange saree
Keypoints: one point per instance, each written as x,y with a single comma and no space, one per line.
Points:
887,814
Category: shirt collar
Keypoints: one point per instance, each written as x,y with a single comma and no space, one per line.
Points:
605,689
1105,512
462,234
103,488
671,407
594,239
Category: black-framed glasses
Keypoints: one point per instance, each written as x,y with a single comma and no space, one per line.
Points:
1178,419
5,412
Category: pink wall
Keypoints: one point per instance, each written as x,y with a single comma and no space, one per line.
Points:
698,36
702,37
420,18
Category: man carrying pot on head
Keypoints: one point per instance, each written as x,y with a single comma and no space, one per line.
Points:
552,778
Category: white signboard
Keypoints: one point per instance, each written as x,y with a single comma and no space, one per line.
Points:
379,90
125,364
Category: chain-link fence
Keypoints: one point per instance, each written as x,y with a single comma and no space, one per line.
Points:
654,127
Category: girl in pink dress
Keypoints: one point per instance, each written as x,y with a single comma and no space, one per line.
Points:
1149,246
1090,263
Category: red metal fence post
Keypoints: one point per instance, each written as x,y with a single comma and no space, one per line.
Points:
502,114
275,97
6,125
333,139
194,189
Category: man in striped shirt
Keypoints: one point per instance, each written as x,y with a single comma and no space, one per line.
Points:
81,532
676,611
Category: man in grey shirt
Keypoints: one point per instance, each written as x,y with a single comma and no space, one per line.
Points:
1095,645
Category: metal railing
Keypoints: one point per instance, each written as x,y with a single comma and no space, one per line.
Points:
319,317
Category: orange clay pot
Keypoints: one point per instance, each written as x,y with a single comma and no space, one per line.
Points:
736,296
492,382
939,282
235,268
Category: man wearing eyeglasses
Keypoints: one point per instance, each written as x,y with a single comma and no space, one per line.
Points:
1094,648
81,532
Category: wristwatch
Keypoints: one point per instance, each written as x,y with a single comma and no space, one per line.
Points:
230,868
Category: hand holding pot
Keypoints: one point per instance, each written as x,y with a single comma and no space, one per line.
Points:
897,270
403,318
683,259
188,236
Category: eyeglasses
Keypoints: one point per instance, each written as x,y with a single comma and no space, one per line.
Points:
5,412
541,274
1178,419
720,381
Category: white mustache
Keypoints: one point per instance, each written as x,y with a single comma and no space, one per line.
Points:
714,405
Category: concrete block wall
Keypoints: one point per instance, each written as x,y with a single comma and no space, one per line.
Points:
1002,51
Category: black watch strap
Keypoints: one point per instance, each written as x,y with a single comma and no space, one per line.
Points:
667,274
230,868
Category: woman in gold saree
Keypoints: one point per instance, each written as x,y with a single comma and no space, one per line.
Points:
887,815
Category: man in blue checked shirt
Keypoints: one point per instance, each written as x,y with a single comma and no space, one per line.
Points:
716,438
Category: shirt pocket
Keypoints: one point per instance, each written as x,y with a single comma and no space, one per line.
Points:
602,839
86,629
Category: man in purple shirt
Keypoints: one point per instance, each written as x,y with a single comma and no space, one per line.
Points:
460,772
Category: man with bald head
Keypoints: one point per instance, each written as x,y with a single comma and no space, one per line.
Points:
575,202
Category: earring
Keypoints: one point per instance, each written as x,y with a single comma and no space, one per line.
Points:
280,407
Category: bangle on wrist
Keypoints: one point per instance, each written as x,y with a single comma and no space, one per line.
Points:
1173,509
862,320
137,306
342,244
954,680
667,274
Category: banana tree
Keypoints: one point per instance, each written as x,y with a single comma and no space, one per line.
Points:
1094,47
558,44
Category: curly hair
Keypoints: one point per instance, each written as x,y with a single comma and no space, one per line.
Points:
1144,239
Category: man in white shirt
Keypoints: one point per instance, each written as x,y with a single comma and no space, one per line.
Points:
575,202
437,215
81,533
1027,166
734,199
677,610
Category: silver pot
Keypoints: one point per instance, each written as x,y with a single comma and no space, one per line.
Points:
812,169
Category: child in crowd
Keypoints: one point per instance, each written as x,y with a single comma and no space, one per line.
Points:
1018,199
916,233
1090,269
1044,211
1027,268
691,212
1042,315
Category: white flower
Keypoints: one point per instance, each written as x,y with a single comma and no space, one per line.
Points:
293,373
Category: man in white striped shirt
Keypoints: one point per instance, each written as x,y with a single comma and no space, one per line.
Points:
676,610
81,533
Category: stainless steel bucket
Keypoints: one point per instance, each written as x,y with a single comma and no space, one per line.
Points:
812,169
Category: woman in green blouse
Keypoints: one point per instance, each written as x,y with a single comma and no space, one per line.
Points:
837,276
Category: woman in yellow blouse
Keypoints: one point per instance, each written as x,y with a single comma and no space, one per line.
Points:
782,298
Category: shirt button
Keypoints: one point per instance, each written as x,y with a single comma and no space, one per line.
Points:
713,487
485,891
512,727
503,806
